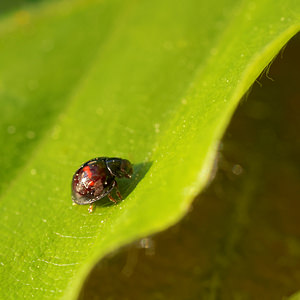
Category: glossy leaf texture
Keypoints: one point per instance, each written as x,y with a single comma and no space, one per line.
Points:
153,82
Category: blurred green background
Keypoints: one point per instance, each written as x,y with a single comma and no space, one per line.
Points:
10,5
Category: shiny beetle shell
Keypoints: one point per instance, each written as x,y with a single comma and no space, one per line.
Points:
96,178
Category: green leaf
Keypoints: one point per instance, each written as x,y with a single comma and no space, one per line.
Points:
154,82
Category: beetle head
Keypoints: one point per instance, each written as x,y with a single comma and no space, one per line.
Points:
119,167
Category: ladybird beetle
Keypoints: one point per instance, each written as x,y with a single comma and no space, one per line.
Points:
96,179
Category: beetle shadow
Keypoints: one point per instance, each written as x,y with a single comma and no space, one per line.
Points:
126,186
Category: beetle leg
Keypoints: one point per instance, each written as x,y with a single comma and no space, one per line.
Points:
117,191
91,208
111,198
119,195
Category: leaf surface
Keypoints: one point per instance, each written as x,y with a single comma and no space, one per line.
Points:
154,82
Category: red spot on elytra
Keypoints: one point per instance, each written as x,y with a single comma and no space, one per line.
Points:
91,183
87,170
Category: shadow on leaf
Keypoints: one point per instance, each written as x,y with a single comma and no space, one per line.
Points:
126,186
